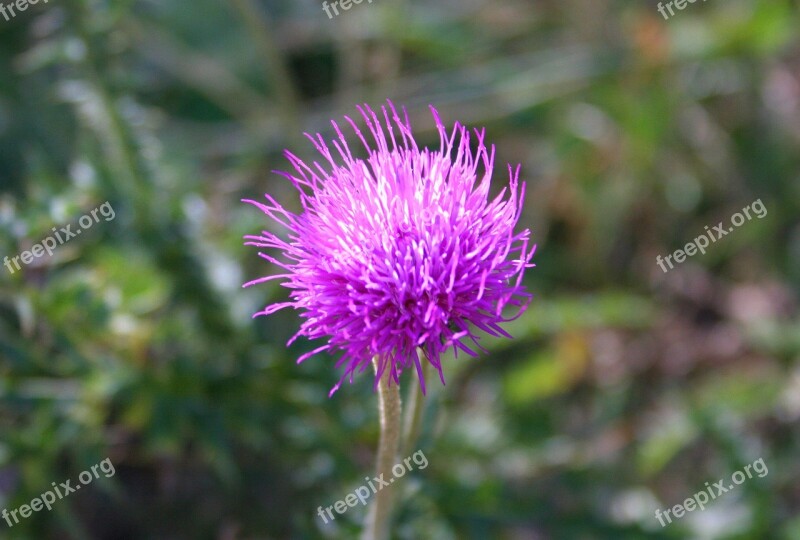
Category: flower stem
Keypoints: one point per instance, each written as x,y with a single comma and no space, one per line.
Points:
413,418
378,518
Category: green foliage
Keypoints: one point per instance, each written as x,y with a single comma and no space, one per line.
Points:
625,388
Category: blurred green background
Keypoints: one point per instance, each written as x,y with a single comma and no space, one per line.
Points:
625,388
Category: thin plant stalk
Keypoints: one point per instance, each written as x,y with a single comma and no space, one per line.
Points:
413,419
379,516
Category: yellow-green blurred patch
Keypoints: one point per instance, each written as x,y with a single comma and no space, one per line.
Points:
549,372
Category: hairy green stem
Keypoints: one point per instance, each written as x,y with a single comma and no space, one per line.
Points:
378,518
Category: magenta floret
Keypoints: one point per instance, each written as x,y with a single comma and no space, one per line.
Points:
401,252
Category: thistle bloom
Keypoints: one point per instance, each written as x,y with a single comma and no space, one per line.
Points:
399,253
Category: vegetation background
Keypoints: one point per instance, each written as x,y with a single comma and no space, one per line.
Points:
625,390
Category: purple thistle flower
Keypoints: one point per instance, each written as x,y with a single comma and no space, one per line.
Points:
400,252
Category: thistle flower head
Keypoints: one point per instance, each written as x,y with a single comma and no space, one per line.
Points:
402,254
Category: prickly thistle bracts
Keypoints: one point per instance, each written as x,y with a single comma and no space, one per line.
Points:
400,253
